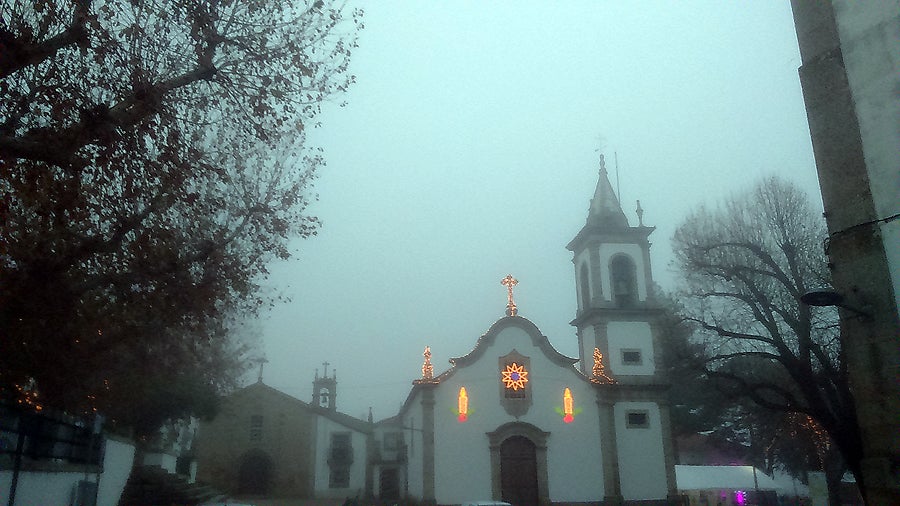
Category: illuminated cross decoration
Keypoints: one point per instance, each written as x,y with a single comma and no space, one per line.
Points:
509,282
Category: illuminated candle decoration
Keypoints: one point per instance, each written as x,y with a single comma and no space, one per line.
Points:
515,376
568,410
463,405
569,415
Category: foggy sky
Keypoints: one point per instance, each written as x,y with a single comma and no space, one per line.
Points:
469,150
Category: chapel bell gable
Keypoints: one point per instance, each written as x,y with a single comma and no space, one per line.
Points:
325,389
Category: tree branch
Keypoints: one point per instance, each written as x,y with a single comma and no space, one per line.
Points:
16,54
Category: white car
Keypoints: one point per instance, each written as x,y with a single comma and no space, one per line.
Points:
486,503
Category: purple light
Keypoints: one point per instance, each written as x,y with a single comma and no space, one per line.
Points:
740,497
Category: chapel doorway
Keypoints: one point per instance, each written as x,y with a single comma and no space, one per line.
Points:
389,484
518,471
255,474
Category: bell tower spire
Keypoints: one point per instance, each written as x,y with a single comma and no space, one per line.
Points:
605,209
612,273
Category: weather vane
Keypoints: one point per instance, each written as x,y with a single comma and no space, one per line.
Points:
509,282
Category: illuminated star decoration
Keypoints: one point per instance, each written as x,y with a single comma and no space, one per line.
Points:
515,376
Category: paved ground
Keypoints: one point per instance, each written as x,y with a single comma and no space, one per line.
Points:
294,502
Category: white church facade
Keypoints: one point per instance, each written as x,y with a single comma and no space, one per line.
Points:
516,420
513,419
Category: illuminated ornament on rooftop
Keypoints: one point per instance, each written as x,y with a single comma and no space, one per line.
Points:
509,282
598,374
462,403
515,376
427,368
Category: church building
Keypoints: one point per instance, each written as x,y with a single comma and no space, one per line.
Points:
265,443
512,420
535,427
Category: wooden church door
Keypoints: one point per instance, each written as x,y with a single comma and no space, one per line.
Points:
518,471
255,474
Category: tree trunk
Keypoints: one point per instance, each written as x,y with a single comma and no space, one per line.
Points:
834,471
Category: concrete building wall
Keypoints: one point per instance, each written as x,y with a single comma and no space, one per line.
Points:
59,487
630,336
642,465
325,428
870,43
412,419
850,76
117,463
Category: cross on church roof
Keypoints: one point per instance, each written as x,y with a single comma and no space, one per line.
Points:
509,282
262,363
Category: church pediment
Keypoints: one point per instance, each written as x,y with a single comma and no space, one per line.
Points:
539,340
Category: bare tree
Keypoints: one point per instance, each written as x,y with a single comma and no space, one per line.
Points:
153,161
745,266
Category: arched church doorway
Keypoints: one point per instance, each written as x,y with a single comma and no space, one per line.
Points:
518,471
255,474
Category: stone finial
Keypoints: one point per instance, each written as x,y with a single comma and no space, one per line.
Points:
640,214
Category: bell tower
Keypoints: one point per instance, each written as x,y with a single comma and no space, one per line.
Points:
325,389
617,315
613,282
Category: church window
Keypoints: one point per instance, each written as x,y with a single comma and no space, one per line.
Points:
637,420
585,287
393,441
623,278
256,425
341,450
340,457
339,477
632,357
